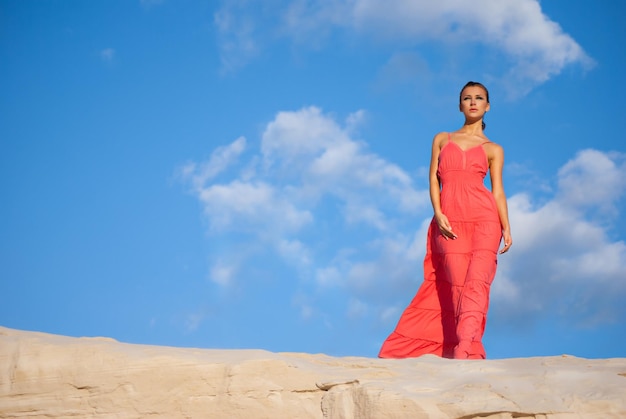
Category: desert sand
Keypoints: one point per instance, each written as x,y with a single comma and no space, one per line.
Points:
51,376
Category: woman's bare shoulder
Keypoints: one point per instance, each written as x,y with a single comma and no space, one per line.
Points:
440,138
493,149
491,144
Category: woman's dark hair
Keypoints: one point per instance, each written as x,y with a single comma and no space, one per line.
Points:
475,83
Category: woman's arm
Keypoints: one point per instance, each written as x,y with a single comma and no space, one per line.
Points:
435,188
496,163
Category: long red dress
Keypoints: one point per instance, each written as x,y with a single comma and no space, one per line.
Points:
447,316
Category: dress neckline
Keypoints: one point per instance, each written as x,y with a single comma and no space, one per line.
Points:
465,150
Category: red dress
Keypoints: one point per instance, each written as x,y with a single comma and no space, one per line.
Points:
447,316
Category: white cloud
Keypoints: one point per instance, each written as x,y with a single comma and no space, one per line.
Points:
238,36
313,178
221,158
390,315
322,156
328,276
356,309
536,47
295,252
303,304
251,205
359,213
303,134
593,179
404,68
107,55
223,274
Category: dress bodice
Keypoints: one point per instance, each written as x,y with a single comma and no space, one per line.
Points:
461,173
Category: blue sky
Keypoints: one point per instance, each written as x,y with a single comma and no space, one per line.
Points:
247,174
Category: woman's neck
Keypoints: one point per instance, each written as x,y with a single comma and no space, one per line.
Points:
472,128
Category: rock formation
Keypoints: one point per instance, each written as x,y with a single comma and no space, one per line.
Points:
51,376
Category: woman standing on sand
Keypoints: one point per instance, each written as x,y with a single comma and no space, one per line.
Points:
448,314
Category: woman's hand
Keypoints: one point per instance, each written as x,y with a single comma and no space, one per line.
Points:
444,226
508,241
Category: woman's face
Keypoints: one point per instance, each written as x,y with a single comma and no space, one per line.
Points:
474,102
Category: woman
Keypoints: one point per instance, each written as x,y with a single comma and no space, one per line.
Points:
448,314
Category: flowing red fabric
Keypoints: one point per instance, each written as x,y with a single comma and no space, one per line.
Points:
448,314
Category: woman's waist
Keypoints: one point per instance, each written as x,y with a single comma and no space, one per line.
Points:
471,217
464,191
477,206
461,176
